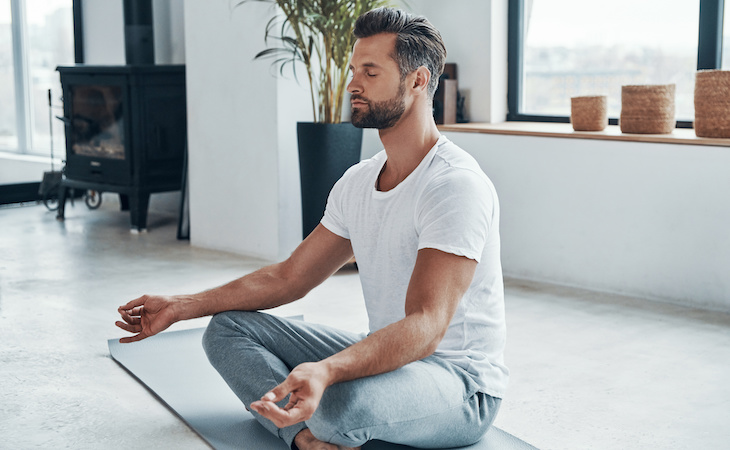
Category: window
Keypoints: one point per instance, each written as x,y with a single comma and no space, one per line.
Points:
726,41
8,130
36,36
559,49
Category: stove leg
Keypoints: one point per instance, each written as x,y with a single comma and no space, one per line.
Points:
60,213
123,202
138,204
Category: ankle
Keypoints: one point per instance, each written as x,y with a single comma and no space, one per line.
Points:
305,440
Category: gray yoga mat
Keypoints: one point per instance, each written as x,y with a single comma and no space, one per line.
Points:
174,367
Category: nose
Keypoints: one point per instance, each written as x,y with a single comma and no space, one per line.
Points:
354,87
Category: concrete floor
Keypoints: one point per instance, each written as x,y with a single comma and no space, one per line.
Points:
589,370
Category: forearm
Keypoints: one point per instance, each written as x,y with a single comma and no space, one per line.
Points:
313,261
415,337
320,255
266,288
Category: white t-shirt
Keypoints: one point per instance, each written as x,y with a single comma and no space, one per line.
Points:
447,203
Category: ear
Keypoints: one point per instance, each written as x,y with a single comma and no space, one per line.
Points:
421,79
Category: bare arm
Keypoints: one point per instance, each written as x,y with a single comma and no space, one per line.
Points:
316,258
438,283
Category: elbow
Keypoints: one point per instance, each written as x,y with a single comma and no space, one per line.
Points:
297,294
427,332
430,349
291,282
434,345
434,340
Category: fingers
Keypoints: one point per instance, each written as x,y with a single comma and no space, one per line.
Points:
132,328
295,411
136,311
135,338
279,416
131,318
134,303
279,392
132,321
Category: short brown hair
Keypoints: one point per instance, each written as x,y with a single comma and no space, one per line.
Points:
418,42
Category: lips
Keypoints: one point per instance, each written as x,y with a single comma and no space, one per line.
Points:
357,102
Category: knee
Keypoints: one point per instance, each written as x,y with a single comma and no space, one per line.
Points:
340,419
333,433
212,336
221,327
327,428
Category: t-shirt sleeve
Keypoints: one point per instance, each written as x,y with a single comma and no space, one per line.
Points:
333,218
455,214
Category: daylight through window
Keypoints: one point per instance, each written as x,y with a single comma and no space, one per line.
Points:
574,47
36,36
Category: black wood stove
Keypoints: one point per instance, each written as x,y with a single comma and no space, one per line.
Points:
125,125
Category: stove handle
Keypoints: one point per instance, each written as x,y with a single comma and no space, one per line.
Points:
65,120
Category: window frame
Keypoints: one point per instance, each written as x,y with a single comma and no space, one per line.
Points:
709,56
18,28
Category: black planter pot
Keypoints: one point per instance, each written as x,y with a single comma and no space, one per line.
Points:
326,151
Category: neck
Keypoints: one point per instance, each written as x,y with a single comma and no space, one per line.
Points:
406,144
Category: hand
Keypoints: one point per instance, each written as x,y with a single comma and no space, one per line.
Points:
146,316
306,383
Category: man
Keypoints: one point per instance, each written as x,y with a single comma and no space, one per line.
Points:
422,220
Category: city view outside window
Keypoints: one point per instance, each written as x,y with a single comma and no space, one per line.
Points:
47,31
576,47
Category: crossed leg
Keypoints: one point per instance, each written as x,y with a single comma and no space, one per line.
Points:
429,403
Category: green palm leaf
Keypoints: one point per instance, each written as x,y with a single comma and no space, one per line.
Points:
317,34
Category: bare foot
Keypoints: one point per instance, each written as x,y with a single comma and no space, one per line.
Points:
305,440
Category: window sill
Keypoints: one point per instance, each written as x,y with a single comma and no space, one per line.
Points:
24,157
685,136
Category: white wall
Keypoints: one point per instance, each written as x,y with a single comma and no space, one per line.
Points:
103,27
104,31
243,192
169,20
649,220
475,34
15,168
293,105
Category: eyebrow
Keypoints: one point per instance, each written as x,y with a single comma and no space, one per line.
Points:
367,64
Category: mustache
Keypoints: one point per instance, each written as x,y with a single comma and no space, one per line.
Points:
359,98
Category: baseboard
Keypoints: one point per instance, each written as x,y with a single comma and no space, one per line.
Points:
27,192
19,193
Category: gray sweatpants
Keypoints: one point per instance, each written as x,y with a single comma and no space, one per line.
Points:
429,403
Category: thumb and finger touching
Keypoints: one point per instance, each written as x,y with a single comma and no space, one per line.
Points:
134,303
143,316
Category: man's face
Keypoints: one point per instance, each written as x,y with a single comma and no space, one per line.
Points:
377,92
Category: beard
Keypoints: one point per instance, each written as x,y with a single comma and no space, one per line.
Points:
380,115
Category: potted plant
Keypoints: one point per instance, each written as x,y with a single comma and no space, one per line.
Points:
318,35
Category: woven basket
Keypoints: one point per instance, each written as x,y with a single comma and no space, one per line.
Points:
589,113
647,109
712,103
